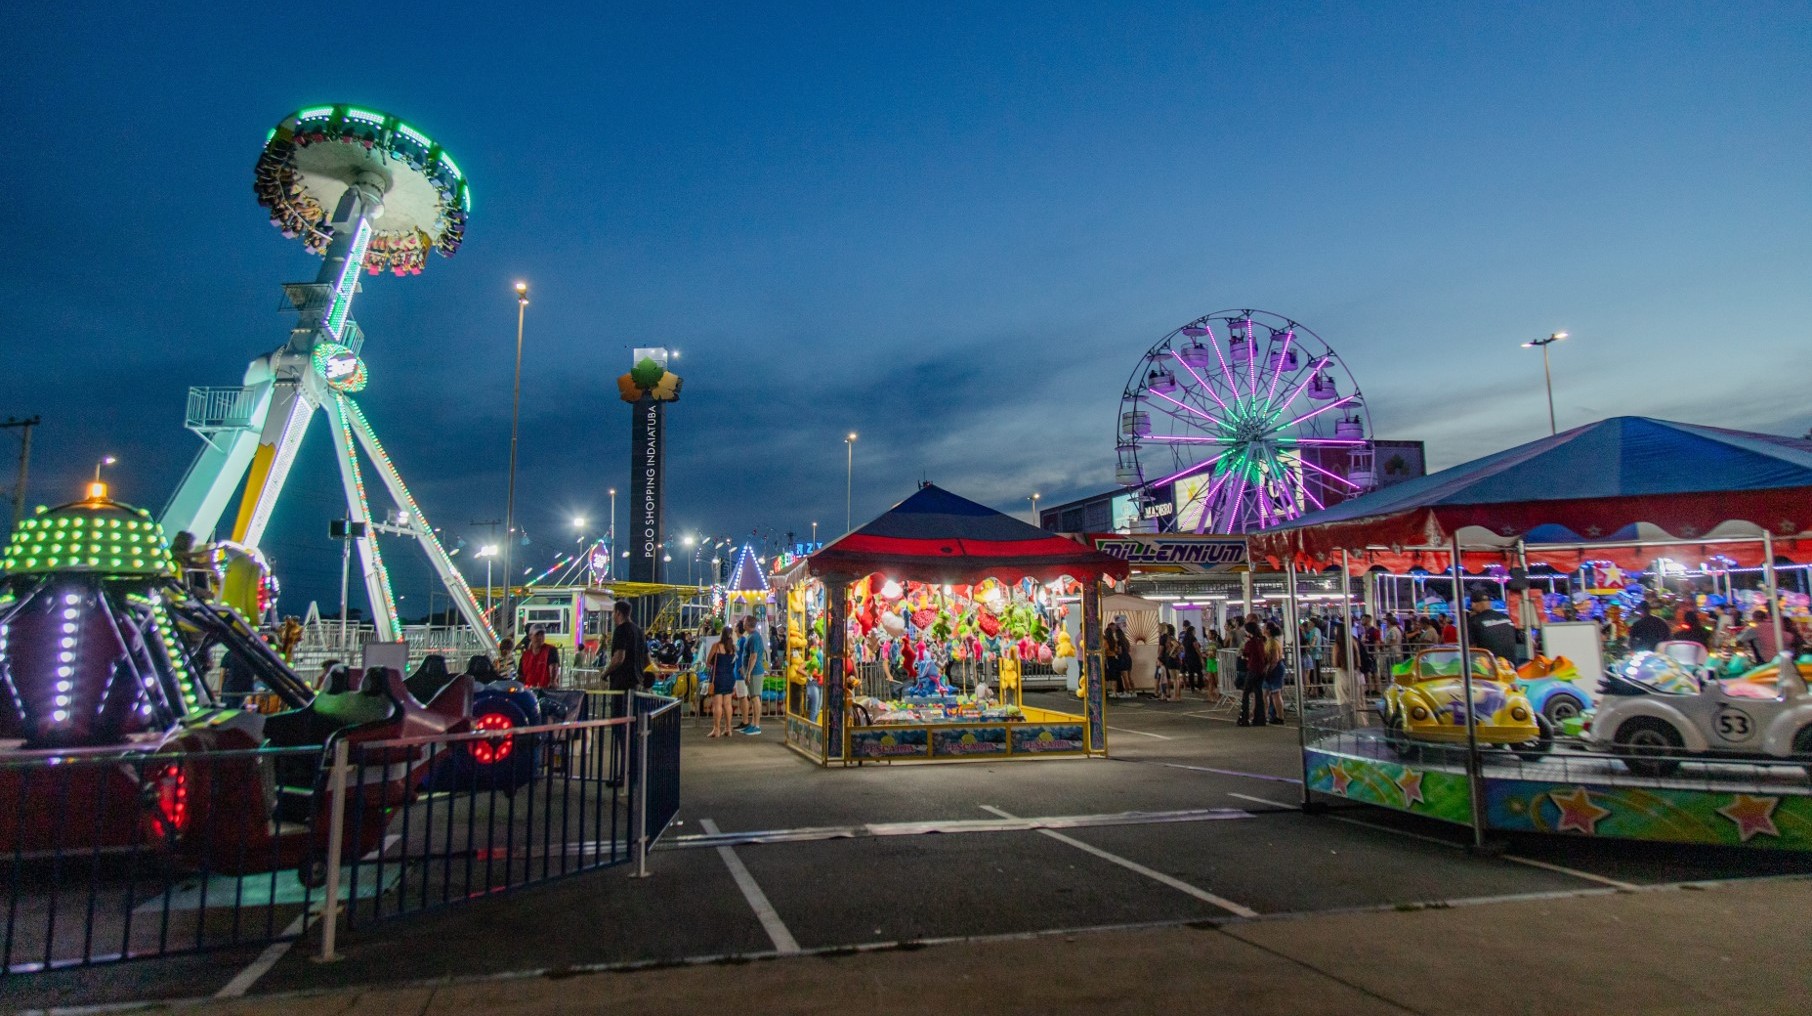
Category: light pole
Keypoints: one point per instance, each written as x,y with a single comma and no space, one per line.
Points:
579,524
1546,373
849,484
610,560
814,534
1034,499
509,507
489,553
689,541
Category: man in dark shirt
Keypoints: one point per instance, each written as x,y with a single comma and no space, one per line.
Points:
1252,687
1647,631
628,658
1491,630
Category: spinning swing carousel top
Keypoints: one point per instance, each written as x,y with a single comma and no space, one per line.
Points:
416,196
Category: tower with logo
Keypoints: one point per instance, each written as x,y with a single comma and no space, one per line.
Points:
648,387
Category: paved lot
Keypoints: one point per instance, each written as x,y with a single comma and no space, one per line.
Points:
1222,840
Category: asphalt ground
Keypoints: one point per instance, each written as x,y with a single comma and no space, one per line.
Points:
1192,820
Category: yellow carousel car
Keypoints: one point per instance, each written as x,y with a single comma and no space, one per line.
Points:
1425,703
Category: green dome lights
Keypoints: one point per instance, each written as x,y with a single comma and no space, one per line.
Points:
95,535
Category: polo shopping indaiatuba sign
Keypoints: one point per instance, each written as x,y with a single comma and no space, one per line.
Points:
1176,553
647,387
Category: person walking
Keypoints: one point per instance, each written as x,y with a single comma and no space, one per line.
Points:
720,664
628,660
752,665
1252,677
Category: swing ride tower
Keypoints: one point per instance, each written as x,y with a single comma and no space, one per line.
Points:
365,191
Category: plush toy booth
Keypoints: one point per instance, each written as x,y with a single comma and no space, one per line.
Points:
906,637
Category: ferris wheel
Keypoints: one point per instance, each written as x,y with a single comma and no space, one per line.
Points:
1241,420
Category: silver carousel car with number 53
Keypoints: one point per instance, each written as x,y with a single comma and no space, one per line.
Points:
1654,711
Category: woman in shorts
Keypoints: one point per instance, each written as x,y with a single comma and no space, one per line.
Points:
1274,671
720,663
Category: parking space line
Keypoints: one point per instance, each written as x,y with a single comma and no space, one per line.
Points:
1133,866
1141,733
1210,769
242,982
1265,800
783,940
1564,870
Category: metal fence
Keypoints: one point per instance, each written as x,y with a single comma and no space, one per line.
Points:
118,855
115,855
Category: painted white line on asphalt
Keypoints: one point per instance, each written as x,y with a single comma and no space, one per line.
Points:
1141,733
1133,866
1264,800
243,981
783,940
1564,870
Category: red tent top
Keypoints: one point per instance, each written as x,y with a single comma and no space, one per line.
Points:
1619,480
935,536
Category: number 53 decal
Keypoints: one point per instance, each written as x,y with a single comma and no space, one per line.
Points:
1733,725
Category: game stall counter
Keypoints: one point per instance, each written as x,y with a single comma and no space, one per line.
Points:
950,599
1675,746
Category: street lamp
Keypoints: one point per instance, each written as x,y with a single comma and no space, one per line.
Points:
1034,499
610,568
509,508
489,553
579,524
814,534
849,484
1543,344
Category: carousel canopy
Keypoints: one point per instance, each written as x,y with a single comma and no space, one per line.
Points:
1625,479
936,536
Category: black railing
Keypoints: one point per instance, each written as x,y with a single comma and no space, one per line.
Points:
114,854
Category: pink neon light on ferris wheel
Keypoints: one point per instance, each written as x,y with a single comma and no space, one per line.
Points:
1201,524
1184,406
1297,393
1336,404
1198,378
1282,357
1251,357
1226,371
1331,476
1198,467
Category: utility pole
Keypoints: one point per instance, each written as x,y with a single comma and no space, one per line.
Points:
25,427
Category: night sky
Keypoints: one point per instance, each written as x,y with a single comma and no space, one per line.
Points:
952,228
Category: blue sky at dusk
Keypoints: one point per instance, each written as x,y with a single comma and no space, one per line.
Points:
953,228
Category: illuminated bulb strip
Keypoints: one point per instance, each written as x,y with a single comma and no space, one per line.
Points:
424,529
343,407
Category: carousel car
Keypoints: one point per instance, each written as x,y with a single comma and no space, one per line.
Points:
1425,702
1554,688
1654,710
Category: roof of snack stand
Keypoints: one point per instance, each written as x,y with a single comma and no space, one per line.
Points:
936,536
1624,479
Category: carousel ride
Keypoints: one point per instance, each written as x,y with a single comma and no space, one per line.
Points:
1241,420
365,191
